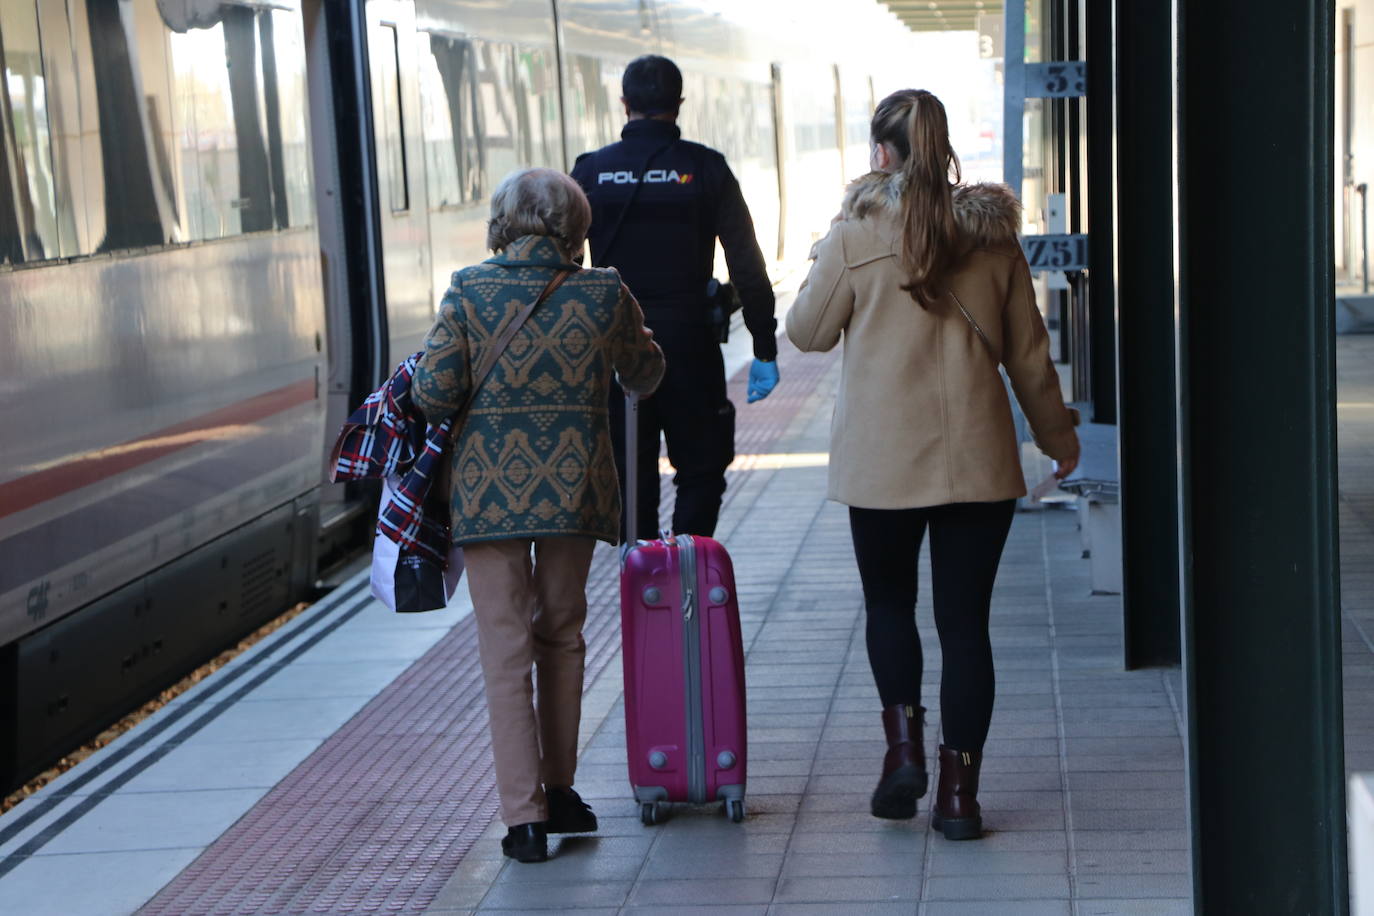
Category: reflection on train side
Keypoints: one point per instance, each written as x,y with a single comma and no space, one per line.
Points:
173,130
132,133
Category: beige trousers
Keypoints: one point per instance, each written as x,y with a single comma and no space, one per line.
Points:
529,614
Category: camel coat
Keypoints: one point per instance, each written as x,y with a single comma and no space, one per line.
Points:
922,416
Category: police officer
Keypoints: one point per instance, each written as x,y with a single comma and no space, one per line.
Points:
658,205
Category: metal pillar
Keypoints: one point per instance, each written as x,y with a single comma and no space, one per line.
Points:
1255,351
1102,383
1144,289
1014,100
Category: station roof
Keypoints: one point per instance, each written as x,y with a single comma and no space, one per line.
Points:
942,15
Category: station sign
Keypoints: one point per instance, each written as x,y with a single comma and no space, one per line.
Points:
1061,79
1056,252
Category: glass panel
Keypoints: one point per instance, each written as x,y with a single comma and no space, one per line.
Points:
241,55
158,104
386,113
489,108
28,206
209,142
288,116
495,78
238,90
190,98
132,204
536,101
454,152
594,112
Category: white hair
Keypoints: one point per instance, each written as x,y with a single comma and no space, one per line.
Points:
539,202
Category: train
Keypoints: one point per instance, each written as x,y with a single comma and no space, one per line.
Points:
222,224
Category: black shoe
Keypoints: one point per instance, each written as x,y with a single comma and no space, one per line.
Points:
568,813
526,842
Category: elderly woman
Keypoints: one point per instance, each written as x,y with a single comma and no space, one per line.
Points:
533,478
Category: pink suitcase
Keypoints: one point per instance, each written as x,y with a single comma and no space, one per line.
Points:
684,671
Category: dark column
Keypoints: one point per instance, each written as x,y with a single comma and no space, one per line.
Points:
255,182
1101,292
1257,369
1144,287
11,241
272,109
131,215
1057,154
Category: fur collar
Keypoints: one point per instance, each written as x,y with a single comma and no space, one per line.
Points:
987,213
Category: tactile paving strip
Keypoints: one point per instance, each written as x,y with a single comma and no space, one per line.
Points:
380,816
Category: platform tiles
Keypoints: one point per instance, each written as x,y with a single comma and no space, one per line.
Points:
295,793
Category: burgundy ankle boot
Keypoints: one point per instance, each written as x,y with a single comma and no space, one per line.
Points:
956,812
904,767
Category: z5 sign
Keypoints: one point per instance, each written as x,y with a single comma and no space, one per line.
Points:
1056,252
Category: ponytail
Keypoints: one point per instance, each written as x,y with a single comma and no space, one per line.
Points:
913,122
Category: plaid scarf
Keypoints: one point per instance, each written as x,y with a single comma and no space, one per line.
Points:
388,438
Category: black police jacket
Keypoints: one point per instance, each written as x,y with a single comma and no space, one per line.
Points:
665,245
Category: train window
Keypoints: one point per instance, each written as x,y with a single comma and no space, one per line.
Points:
293,116
28,205
455,151
174,122
594,112
488,108
126,126
237,78
536,104
496,92
386,111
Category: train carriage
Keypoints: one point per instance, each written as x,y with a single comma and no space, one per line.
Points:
222,223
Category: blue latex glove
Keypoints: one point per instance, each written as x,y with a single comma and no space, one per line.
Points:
763,378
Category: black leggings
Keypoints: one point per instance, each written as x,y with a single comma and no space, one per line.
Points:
966,541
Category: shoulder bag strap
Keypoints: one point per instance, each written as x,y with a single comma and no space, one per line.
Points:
987,343
507,334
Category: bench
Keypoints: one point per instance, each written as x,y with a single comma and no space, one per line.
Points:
1361,803
1355,314
1097,484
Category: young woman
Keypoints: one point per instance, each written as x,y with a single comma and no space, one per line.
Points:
925,282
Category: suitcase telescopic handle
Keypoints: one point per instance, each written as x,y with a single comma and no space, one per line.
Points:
631,502
631,507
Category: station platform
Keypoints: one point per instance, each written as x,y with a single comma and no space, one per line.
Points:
341,765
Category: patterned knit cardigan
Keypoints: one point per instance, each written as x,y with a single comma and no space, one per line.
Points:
534,458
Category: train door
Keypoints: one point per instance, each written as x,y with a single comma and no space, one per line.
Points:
370,193
402,209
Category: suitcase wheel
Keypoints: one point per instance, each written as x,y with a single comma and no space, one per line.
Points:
650,813
734,809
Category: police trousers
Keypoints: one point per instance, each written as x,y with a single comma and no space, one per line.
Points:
696,420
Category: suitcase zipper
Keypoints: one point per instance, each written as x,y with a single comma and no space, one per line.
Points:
691,641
